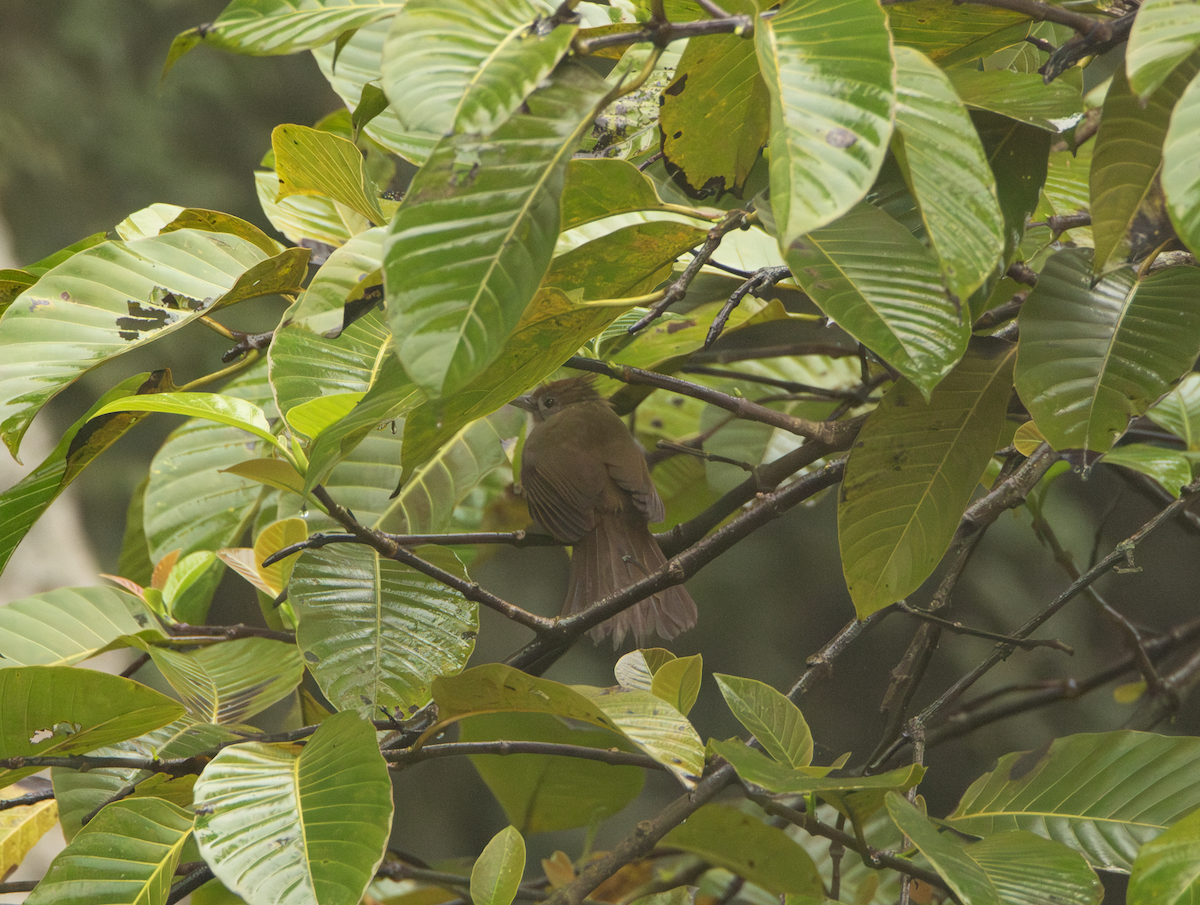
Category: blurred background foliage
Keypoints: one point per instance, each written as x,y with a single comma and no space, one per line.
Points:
86,138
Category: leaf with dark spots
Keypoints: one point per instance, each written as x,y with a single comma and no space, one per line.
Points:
676,87
676,326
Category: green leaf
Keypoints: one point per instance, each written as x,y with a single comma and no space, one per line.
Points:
1168,467
1167,869
313,417
307,218
1102,794
209,406
496,688
1092,357
227,683
831,78
1022,96
83,792
358,63
127,854
474,236
497,873
1066,186
678,682
457,66
375,633
108,299
190,505
883,287
217,222
23,826
742,844
1164,34
276,827
1179,411
1018,154
654,726
314,353
952,35
22,504
912,472
60,710
637,668
715,113
1028,870
1181,167
770,717
186,582
756,768
272,27
965,877
315,162
598,187
69,625
946,170
542,792
1127,160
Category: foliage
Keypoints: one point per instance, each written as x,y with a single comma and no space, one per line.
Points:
1000,264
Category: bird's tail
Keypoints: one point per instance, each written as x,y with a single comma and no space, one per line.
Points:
618,552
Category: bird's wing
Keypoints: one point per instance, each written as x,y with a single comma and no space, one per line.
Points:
557,502
632,476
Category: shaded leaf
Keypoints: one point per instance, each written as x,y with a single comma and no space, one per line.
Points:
1026,869
1103,794
275,826
1092,357
954,864
952,35
1168,467
1022,96
883,287
831,78
1179,411
598,187
741,843
770,717
911,474
1167,869
454,65
756,768
375,633
1164,34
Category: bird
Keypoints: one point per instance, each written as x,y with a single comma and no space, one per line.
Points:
586,482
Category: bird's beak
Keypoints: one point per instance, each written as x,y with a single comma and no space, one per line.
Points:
525,402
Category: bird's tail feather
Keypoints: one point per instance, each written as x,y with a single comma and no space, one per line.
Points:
618,552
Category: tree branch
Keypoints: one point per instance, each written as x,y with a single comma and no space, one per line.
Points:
612,756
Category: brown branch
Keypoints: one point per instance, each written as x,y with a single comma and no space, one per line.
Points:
960,629
734,219
612,756
387,547
833,433
518,539
788,350
759,280
182,633
661,33
1086,44
1098,29
23,800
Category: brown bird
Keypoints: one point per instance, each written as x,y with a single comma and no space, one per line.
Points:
586,482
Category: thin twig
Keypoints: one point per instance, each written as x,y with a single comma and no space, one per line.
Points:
612,756
518,539
960,629
23,800
759,280
190,884
663,33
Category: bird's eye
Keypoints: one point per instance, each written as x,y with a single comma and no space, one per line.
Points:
548,402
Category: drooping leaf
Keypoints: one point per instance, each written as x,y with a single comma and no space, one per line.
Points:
542,792
59,710
884,288
68,625
1018,154
1092,357
1028,870
1181,166
375,633
911,474
474,236
1126,164
23,504
1022,96
127,854
1179,411
497,688
654,726
741,843
770,717
453,65
954,35
1167,869
307,219
831,77
947,171
497,872
354,65
953,862
678,682
226,684
108,299
275,826
315,162
715,113
1164,34
1102,794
